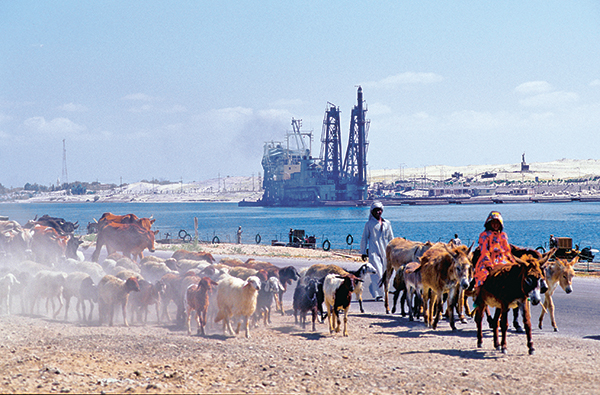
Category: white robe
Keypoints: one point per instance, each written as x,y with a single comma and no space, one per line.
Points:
375,238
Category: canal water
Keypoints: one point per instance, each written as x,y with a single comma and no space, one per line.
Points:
527,224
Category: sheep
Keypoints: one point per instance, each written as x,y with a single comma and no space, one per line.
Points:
184,265
197,256
150,294
108,265
112,291
215,272
308,296
128,264
267,293
197,300
286,276
338,294
231,261
176,286
73,287
236,297
242,272
151,258
48,284
31,267
153,270
95,270
18,289
124,274
88,291
6,283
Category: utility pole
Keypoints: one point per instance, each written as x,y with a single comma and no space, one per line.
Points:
65,176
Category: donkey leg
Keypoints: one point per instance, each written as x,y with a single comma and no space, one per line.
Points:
527,323
495,326
551,311
478,319
504,326
516,324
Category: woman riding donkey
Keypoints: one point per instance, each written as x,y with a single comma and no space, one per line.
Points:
495,250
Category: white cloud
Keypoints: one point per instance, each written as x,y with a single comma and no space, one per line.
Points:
551,99
5,118
143,108
379,109
139,97
287,103
405,78
534,87
177,108
57,126
595,82
72,107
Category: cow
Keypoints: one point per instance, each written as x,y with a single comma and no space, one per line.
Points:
504,288
47,245
444,270
130,239
109,218
399,252
14,240
63,228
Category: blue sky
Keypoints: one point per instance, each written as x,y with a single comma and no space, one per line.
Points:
190,90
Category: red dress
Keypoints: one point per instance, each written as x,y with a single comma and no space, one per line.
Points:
495,250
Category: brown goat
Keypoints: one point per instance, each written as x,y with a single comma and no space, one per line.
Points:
196,300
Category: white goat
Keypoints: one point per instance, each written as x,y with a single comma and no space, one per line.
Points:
6,283
236,297
48,284
81,286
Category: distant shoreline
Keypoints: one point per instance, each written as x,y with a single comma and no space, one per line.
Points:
562,180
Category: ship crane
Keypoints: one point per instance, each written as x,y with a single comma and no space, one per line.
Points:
294,178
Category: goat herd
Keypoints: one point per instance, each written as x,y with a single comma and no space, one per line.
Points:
243,293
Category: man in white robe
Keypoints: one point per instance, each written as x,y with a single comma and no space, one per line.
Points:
376,236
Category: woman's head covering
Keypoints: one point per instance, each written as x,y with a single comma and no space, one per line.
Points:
494,215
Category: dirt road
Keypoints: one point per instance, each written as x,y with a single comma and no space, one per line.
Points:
384,354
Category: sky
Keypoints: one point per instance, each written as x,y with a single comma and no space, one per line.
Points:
191,90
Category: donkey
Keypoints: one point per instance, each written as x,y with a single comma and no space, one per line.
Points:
559,272
504,288
444,270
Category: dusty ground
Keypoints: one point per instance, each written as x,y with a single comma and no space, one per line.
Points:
383,354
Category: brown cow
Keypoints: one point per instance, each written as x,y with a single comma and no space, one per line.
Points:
505,287
444,270
47,245
109,218
399,252
130,239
